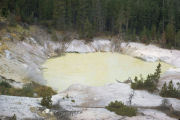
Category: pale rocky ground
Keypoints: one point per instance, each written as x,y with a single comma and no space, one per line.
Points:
23,59
18,105
92,100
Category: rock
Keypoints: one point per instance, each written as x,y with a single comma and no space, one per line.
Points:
8,54
35,94
79,46
97,45
101,45
151,53
33,40
47,111
10,105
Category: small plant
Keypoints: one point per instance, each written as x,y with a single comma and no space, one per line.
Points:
47,95
46,101
121,109
150,83
170,91
73,101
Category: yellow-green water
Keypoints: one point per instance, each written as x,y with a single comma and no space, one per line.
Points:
95,69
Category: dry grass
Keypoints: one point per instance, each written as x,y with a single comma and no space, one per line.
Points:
28,90
3,47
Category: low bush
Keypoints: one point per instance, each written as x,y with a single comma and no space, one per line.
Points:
4,87
28,90
121,109
150,83
44,90
46,101
170,91
5,84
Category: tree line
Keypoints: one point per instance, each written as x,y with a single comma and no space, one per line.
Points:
143,20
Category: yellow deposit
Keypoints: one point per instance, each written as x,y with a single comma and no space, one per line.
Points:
95,69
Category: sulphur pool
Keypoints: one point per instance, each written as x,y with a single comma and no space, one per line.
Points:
95,69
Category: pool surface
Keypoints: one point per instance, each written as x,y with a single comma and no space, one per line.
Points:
95,69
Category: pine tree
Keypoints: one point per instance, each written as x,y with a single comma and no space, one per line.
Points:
144,35
59,14
163,90
178,39
133,36
170,91
88,30
153,32
170,88
163,39
170,34
157,73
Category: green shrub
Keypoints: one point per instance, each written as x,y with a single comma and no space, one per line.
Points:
4,87
5,84
150,83
170,91
46,101
121,109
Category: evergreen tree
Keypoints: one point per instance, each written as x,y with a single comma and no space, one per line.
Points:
163,39
88,30
144,35
170,91
150,83
163,90
170,34
178,39
59,14
153,32
126,18
157,72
